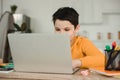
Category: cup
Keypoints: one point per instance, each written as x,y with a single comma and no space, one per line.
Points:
112,60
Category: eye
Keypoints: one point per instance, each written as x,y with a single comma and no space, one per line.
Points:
67,29
57,29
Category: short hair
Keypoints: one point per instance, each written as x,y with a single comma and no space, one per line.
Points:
66,13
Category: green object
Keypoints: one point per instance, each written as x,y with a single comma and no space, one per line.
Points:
17,27
107,48
9,65
13,8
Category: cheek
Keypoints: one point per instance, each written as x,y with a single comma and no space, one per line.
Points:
71,34
56,31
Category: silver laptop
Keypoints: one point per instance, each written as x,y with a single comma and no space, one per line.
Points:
46,53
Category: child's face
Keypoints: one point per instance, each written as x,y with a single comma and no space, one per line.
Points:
64,26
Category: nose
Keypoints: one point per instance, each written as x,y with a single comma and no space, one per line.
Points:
62,32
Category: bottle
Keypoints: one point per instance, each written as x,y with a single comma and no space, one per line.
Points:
109,36
118,35
98,35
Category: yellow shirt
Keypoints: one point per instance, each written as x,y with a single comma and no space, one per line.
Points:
84,50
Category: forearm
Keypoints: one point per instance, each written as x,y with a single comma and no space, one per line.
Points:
92,61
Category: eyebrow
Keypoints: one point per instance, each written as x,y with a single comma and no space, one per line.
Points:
65,27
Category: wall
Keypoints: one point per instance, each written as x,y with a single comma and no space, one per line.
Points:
95,16
41,11
38,10
110,23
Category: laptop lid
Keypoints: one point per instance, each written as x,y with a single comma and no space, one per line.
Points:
47,53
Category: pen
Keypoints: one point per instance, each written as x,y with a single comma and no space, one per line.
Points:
113,45
110,54
107,53
107,48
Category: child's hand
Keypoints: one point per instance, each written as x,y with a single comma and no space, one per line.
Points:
76,63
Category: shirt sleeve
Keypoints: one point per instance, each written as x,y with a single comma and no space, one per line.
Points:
93,56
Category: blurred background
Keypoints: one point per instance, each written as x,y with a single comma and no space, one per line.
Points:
99,19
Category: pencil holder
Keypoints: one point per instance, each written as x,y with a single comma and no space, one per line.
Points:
112,60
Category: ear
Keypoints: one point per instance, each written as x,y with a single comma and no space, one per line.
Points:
77,28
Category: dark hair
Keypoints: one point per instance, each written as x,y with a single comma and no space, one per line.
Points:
66,13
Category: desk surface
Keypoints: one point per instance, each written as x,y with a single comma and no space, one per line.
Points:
40,76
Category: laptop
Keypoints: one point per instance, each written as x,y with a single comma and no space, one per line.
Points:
38,52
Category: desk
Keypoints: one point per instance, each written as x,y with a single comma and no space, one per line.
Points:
40,76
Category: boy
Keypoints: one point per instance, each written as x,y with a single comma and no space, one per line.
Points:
84,53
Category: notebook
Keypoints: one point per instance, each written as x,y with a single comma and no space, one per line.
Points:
46,53
102,71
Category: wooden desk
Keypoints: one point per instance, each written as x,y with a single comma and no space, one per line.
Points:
40,76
